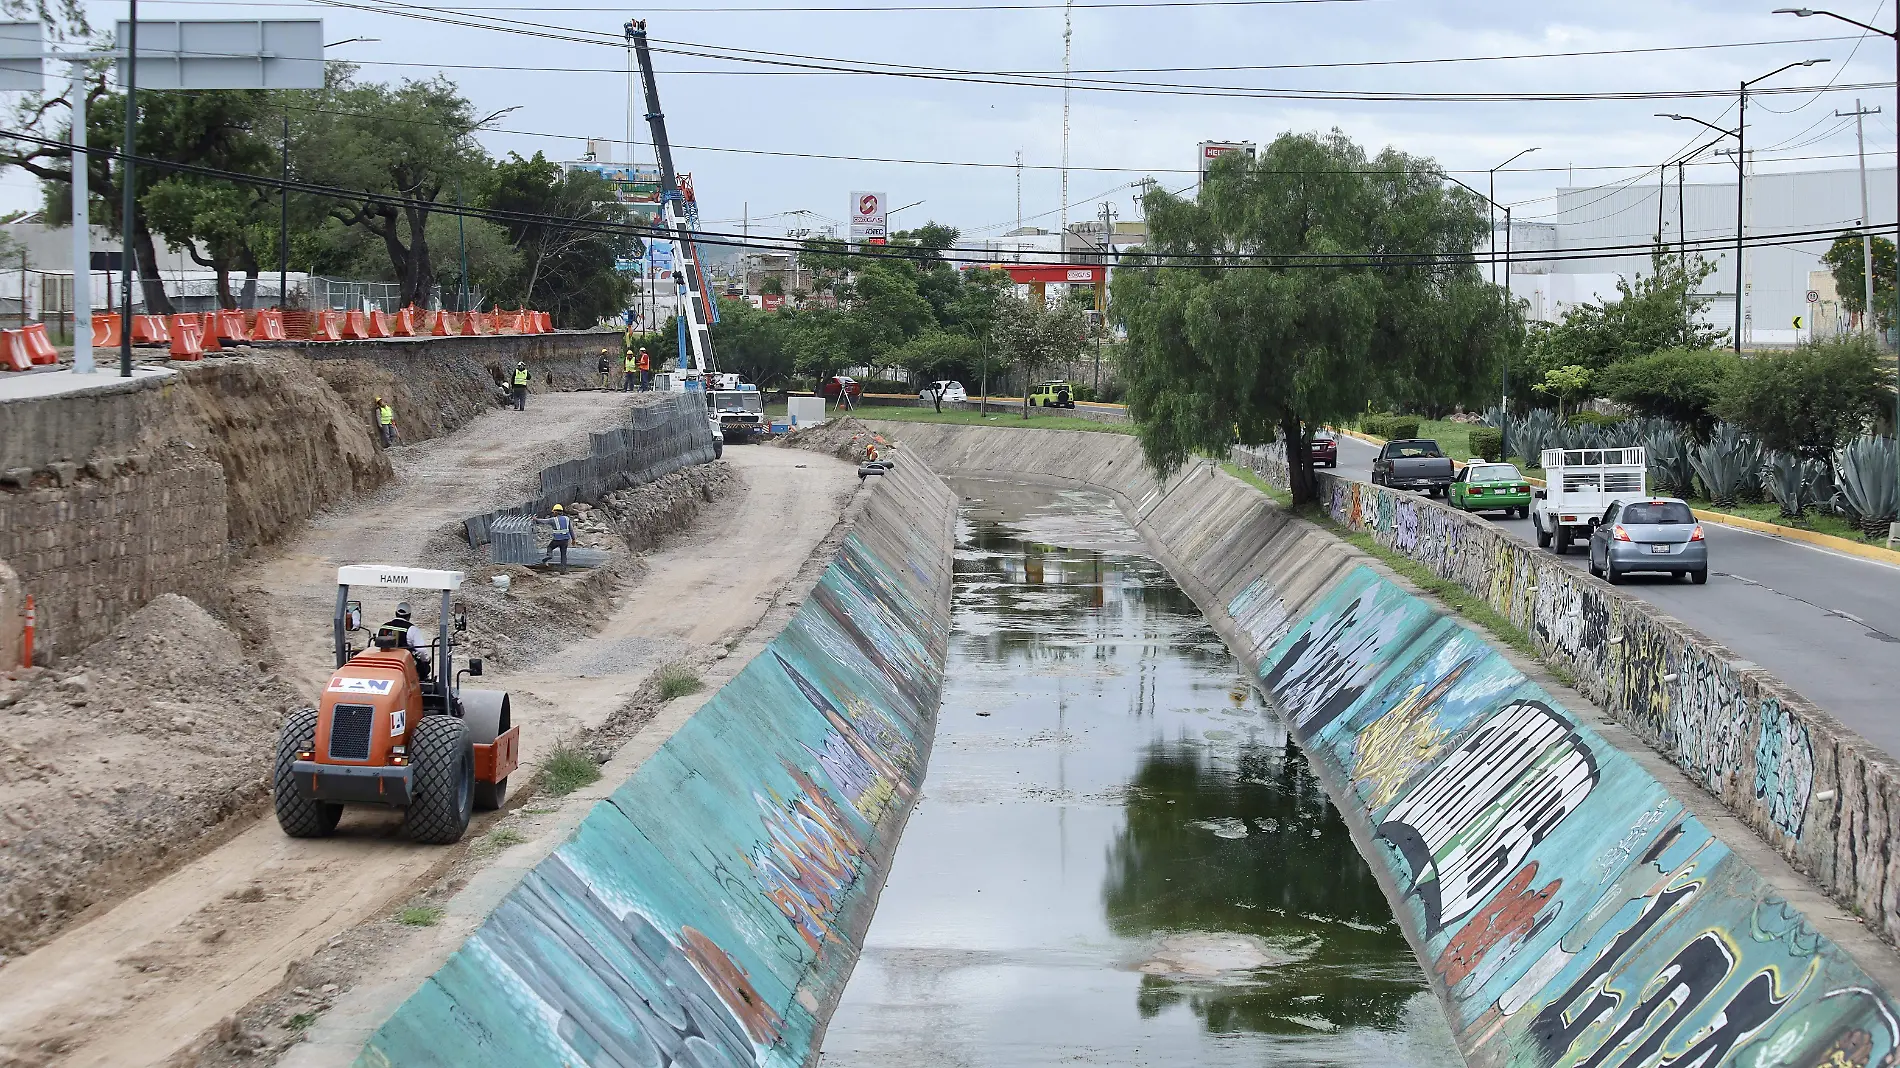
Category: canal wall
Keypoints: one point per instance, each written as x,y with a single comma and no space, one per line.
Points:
1568,906
710,910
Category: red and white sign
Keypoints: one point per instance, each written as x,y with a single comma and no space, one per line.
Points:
869,221
771,301
1213,150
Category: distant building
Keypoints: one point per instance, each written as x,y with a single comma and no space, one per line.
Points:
1561,273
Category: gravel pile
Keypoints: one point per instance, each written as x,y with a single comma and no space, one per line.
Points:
125,758
845,438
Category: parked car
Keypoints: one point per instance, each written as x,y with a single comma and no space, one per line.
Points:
1053,395
1325,448
837,384
1482,487
1414,464
1658,534
952,392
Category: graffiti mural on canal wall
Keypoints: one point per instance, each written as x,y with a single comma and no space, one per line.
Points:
1572,911
1769,756
707,912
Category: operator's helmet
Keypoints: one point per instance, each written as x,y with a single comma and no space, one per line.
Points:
402,609
521,363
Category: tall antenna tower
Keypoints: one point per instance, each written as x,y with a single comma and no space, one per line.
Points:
1068,32
1019,189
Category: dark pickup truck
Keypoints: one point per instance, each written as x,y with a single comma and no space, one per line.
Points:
1415,464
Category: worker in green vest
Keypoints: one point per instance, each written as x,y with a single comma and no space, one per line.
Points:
630,369
521,386
386,422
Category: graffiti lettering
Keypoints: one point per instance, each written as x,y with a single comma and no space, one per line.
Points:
1464,829
1330,665
1404,739
1707,714
1784,767
1512,917
1557,1028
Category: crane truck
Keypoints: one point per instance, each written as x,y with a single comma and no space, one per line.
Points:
735,409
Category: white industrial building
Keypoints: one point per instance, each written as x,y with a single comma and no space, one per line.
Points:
1776,278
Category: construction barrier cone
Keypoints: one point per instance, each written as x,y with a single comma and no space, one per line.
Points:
379,324
13,355
231,326
150,330
39,348
440,325
327,327
105,331
270,326
473,324
355,326
547,322
405,324
208,332
187,340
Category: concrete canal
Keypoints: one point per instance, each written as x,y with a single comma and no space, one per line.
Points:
1119,857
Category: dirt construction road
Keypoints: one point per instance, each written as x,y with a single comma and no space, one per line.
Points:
139,983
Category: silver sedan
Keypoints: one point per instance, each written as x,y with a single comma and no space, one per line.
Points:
1656,534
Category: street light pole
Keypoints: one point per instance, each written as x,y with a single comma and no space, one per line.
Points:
128,202
1504,370
1741,182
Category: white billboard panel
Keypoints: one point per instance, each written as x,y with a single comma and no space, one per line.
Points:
227,53
869,220
20,47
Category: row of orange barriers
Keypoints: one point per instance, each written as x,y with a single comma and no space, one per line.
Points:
190,335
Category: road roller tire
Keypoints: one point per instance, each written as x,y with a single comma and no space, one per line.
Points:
300,818
442,781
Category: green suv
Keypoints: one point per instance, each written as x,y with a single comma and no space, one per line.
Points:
1053,395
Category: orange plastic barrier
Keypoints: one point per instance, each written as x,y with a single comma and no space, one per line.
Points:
327,327
150,330
269,326
187,338
38,348
231,326
547,322
379,324
208,332
406,324
355,326
441,325
474,324
13,355
105,331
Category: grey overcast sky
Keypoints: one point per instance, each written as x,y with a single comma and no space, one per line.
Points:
569,90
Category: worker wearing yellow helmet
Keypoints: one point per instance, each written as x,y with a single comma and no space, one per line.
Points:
562,537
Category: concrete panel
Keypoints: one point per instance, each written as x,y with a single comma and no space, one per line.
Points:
709,911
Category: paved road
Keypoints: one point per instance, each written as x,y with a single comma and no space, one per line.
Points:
1826,623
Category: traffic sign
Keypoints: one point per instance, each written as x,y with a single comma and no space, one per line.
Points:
20,48
227,53
1814,297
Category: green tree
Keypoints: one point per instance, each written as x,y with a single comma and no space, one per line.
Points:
1810,400
1681,385
752,342
563,225
1846,260
1032,335
406,147
1566,384
1653,311
1235,328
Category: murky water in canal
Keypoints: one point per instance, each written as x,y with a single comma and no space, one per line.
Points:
1119,857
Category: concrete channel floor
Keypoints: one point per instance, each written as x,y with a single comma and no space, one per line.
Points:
1825,623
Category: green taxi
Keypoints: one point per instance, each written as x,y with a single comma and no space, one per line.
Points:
1484,487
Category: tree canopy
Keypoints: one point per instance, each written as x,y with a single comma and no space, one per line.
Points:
1297,289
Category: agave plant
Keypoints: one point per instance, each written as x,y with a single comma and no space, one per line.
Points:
1870,483
1668,450
1532,434
1789,483
1493,417
1748,451
1720,472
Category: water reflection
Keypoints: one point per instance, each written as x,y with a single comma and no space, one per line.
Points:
1118,857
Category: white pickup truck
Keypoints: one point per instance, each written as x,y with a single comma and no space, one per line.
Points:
1580,484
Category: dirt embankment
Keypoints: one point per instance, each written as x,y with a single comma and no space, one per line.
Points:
845,438
125,761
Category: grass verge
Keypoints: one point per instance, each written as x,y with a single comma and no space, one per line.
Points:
1007,417
678,680
1818,522
1284,498
566,770
420,915
505,837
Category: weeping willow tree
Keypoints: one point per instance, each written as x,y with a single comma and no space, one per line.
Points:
1298,288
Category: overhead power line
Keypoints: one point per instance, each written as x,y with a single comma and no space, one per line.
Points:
954,255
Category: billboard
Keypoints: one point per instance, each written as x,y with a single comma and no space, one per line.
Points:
659,258
636,187
1213,150
869,223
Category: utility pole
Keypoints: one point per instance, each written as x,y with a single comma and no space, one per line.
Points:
129,205
1019,189
461,238
1062,248
283,225
82,230
1101,311
1866,218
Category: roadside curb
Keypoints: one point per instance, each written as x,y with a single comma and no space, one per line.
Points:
1878,553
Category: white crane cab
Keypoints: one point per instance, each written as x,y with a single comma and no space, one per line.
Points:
1580,484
